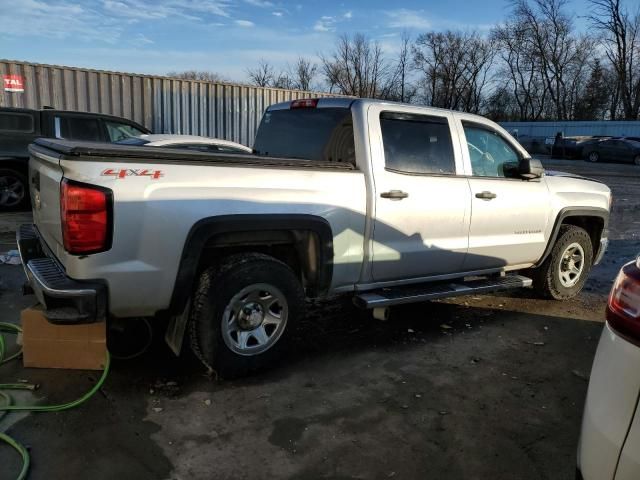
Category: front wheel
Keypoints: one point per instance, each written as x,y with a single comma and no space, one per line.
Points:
637,160
243,312
563,274
593,157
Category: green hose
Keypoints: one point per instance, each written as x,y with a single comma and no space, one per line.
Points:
8,407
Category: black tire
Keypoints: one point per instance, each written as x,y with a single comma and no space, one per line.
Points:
12,183
636,160
547,281
593,157
218,286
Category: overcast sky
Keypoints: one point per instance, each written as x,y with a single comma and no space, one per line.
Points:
225,36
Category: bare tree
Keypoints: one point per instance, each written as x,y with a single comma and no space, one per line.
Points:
355,67
398,86
303,73
454,68
562,55
197,75
621,39
263,75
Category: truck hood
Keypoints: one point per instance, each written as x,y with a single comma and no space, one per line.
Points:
555,173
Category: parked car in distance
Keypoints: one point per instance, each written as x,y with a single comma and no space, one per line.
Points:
609,446
21,126
392,203
187,142
614,150
574,147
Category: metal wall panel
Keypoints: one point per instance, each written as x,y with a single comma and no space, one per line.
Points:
165,105
549,129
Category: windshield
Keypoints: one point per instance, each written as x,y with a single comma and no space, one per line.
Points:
319,134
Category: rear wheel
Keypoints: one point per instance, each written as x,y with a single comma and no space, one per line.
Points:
593,157
14,193
563,274
243,312
637,160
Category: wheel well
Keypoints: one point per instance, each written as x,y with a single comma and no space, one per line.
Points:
299,249
593,225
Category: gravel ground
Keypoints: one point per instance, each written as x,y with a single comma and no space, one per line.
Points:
487,387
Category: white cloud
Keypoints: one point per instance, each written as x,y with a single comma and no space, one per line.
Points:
326,23
408,19
324,26
149,9
142,39
244,23
277,14
260,3
59,19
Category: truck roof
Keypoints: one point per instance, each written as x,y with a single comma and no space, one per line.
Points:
74,112
346,102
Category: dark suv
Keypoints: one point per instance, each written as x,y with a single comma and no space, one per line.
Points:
20,126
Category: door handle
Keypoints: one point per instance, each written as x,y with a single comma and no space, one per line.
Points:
394,194
486,195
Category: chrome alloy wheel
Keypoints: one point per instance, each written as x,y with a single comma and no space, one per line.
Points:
571,265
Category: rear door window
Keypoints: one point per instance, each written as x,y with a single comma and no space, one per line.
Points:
16,122
417,144
78,128
321,134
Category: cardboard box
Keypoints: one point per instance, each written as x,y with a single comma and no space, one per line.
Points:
46,345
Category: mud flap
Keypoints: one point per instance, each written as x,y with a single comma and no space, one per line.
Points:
174,335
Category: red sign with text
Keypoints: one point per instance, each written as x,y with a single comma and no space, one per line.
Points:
13,83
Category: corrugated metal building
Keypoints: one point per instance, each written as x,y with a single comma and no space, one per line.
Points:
163,104
549,129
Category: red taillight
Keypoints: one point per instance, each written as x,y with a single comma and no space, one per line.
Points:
85,212
623,311
304,103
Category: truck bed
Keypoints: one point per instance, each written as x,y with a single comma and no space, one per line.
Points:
106,152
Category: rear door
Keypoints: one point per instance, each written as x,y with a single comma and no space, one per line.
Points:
509,215
422,207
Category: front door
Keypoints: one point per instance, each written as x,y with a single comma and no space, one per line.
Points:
421,206
509,216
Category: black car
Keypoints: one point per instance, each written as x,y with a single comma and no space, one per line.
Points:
574,147
20,126
614,150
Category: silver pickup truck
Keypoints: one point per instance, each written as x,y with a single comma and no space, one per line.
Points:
387,202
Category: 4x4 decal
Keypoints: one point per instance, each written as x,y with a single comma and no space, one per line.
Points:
132,172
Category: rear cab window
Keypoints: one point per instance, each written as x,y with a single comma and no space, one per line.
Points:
314,134
78,128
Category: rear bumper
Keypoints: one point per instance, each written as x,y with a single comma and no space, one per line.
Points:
610,406
66,301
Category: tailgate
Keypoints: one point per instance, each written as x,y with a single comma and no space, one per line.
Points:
45,175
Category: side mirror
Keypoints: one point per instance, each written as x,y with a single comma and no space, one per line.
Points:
526,168
530,168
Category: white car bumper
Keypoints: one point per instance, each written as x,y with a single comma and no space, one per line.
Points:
609,412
